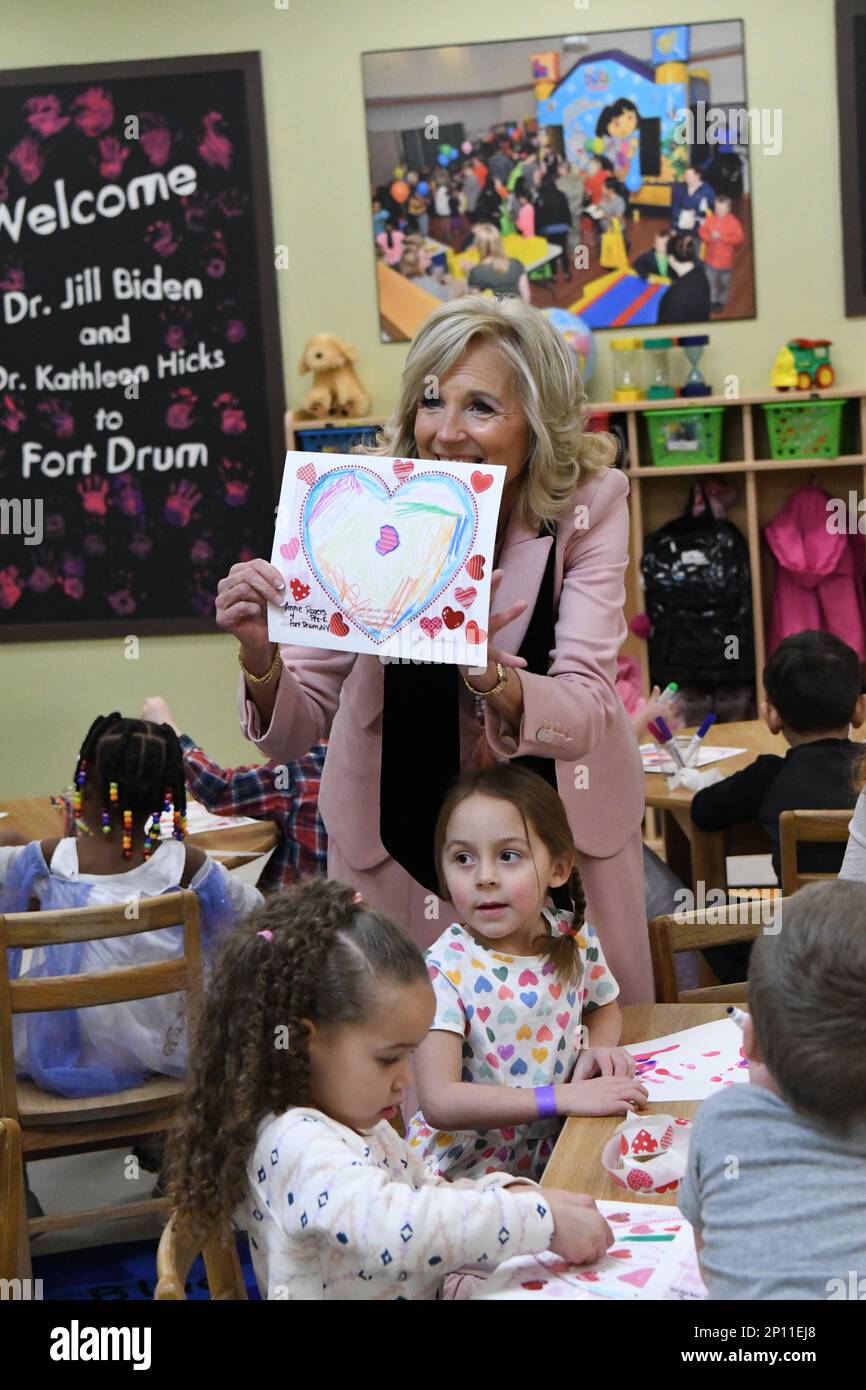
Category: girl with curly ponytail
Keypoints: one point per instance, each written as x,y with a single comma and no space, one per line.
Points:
301,1059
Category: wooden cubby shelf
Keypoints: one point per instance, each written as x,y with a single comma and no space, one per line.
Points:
660,493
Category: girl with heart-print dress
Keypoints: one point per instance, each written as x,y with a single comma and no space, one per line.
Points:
508,1054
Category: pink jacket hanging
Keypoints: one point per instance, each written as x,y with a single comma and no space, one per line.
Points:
819,579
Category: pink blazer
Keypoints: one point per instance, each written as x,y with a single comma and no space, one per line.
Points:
572,715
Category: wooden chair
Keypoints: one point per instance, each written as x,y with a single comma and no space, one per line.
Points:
51,1125
176,1255
804,827
694,931
11,1197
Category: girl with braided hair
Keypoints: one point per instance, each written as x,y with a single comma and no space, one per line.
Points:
130,815
300,1062
512,977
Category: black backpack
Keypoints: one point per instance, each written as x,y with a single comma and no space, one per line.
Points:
698,596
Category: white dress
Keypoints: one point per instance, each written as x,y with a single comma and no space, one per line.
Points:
144,1033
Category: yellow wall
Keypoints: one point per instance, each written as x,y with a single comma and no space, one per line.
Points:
49,692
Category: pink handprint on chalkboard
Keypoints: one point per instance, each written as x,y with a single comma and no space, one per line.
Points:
11,415
233,420
181,413
180,503
11,587
127,496
154,138
94,496
113,154
93,110
59,417
41,579
160,238
237,488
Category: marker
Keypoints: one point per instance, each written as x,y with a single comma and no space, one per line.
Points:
692,750
668,741
668,693
737,1016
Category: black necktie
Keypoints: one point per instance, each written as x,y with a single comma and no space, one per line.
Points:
421,741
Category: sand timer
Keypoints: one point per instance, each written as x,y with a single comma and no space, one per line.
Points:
693,347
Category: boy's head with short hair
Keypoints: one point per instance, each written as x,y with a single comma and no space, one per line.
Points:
807,997
813,682
723,203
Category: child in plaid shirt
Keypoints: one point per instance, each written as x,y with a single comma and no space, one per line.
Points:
287,793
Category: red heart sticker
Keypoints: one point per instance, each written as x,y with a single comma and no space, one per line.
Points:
307,473
474,633
481,481
466,597
638,1180
337,626
534,1284
300,591
403,467
475,566
431,626
451,618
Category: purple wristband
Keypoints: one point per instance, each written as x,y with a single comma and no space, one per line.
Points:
546,1100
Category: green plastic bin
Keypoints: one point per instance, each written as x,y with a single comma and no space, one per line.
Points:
804,429
690,434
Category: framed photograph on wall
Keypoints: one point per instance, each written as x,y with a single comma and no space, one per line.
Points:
141,384
605,177
851,83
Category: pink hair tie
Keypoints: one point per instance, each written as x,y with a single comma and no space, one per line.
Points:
268,935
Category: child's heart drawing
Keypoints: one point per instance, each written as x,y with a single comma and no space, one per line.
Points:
350,510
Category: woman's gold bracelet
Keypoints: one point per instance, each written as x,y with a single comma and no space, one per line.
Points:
269,674
502,673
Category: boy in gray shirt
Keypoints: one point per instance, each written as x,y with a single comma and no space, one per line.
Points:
776,1181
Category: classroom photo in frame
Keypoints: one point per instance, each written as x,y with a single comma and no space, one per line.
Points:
141,386
599,169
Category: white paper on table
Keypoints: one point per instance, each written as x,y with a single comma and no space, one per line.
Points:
386,556
653,1256
3,813
655,759
199,820
251,871
692,1064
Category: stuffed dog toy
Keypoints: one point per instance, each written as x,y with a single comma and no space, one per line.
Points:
337,389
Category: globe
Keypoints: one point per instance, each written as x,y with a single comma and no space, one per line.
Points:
579,337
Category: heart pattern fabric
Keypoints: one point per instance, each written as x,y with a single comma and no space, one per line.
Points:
509,1013
406,544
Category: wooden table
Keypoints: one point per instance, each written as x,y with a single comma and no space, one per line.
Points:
575,1163
698,856
34,818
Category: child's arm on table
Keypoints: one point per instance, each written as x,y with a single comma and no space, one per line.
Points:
448,1103
454,1223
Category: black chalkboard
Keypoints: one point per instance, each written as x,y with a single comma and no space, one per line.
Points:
141,386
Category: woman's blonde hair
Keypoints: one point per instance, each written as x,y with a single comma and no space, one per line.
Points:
488,244
543,369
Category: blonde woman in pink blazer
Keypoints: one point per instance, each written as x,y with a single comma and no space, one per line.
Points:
490,381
